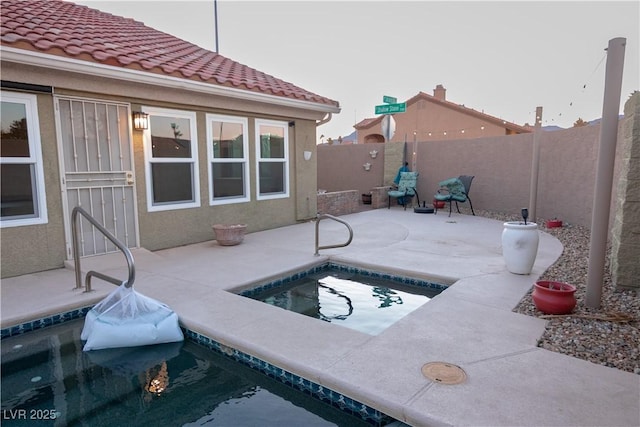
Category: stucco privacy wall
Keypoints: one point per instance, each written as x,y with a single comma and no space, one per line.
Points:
501,165
42,247
341,167
502,169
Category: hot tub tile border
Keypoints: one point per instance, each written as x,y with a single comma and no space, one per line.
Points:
403,280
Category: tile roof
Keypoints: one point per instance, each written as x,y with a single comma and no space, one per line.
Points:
66,29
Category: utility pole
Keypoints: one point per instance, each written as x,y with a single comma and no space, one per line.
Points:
215,17
604,171
535,166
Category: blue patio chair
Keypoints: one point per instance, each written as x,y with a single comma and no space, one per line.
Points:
406,189
466,181
451,190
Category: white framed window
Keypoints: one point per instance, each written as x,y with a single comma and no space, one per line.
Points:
272,159
23,199
228,154
171,160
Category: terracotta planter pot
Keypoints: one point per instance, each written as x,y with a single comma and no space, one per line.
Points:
439,204
554,297
229,234
554,223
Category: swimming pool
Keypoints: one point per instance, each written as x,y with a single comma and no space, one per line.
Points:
48,380
363,300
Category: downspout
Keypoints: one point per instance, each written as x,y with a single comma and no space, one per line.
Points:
326,119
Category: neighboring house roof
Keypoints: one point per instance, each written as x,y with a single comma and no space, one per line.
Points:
367,122
456,107
64,29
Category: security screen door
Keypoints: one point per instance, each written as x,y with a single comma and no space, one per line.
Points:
97,170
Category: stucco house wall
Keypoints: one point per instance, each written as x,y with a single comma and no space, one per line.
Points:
434,122
431,121
39,63
434,118
38,247
44,245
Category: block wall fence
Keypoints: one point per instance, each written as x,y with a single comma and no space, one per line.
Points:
502,169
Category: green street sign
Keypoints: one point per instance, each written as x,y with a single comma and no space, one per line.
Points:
391,108
389,99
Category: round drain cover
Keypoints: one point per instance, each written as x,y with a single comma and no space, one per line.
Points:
444,373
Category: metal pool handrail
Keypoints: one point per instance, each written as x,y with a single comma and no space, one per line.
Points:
76,253
319,218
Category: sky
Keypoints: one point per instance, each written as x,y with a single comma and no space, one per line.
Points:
504,58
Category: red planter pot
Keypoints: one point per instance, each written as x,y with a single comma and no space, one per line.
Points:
438,204
554,223
554,297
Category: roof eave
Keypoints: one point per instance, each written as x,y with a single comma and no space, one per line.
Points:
38,59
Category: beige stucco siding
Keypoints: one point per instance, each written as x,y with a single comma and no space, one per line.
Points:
39,247
35,248
166,229
305,183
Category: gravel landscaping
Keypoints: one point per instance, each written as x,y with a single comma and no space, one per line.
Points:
610,335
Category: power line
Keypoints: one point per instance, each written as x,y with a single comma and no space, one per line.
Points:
586,85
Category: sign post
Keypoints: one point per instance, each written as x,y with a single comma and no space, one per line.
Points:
390,106
388,127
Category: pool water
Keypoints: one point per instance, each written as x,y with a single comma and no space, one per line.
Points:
364,302
48,380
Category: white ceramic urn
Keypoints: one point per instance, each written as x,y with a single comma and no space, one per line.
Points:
520,246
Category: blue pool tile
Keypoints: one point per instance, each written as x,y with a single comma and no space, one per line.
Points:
322,393
43,322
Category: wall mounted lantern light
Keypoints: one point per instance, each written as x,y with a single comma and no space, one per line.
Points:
140,120
373,154
307,155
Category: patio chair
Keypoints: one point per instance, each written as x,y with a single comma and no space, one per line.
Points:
406,188
451,190
466,181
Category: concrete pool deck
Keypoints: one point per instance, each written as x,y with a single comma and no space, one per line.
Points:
510,381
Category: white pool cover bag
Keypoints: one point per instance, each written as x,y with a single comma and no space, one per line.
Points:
126,318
